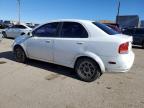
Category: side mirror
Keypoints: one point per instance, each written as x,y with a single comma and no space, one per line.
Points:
29,34
22,34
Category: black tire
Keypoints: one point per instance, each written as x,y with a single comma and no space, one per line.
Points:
20,55
87,69
4,34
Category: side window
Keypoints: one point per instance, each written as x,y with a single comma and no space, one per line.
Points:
47,30
73,30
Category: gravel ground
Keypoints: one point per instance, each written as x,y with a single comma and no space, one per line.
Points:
42,85
0,35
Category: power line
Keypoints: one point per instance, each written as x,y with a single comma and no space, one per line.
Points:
19,14
118,11
119,4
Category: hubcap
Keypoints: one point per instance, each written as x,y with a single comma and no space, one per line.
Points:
86,69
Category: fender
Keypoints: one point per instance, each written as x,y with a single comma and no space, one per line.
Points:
20,42
95,57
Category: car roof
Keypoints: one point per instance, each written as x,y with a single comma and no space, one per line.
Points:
70,20
66,20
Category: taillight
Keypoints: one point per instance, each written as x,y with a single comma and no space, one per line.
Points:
123,48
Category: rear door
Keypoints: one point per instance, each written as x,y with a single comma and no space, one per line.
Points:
15,31
19,30
73,36
10,31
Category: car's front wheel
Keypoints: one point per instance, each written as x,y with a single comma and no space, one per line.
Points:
20,55
4,34
87,69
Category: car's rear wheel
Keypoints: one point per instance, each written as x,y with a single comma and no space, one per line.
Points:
4,34
20,55
87,69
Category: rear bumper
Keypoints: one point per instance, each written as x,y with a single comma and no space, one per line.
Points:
123,63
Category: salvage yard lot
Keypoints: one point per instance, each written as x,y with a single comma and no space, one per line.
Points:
42,85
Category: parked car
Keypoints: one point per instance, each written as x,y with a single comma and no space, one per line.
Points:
138,35
90,48
3,27
16,30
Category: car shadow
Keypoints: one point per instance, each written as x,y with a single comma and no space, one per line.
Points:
8,38
68,72
7,55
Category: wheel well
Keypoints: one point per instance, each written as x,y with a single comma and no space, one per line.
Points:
17,46
82,57
3,32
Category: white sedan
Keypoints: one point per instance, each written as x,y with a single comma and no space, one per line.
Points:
88,47
16,30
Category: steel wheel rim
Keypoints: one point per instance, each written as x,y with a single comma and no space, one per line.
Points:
86,70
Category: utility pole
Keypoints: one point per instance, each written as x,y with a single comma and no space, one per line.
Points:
118,11
19,15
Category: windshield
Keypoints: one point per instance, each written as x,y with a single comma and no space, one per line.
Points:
105,28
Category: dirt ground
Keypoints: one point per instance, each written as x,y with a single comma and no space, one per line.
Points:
42,85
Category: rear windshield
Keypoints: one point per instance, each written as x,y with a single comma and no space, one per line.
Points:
105,28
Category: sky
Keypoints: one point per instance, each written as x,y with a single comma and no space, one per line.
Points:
40,11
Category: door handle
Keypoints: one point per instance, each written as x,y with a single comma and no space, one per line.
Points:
80,43
47,41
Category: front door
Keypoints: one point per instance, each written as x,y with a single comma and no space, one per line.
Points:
41,45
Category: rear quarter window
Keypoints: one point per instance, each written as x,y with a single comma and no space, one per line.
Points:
105,28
